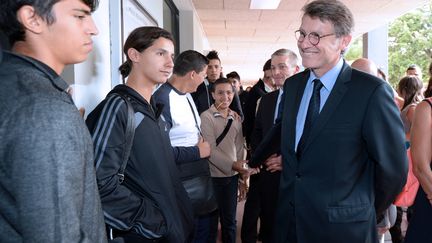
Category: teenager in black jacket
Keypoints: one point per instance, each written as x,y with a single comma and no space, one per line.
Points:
151,204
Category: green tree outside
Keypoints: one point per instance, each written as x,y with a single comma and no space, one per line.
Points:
355,50
410,42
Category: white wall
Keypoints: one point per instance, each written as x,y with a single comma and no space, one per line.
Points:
94,78
192,35
154,8
375,47
200,39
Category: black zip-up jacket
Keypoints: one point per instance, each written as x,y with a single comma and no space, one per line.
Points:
151,201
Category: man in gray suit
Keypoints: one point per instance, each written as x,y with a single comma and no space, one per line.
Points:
342,145
48,188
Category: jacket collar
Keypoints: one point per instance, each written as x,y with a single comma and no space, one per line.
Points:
216,113
55,79
335,97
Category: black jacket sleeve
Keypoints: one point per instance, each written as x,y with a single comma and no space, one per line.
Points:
124,208
186,154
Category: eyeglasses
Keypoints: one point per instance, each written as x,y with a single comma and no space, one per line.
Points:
313,37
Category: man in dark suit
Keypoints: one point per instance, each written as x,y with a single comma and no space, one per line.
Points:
284,64
252,206
262,87
342,145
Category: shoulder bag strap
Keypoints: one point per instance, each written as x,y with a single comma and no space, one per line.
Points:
224,132
193,113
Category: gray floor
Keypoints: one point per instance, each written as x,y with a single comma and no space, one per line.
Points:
240,208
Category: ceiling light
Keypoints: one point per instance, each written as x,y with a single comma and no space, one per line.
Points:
264,4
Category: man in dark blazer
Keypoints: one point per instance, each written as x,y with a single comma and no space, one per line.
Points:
345,165
252,206
262,196
262,87
284,64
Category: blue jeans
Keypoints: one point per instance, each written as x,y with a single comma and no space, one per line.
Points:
202,229
226,196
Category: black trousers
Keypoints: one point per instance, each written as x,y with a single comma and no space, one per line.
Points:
129,237
252,210
396,230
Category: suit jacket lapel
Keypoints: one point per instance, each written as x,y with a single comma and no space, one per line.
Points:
332,102
272,105
293,108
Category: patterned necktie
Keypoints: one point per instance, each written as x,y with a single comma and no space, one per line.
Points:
311,116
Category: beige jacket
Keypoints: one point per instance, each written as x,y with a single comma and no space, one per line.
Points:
230,149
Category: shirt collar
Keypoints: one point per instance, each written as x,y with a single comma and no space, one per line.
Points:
206,82
267,88
216,113
174,88
329,78
281,91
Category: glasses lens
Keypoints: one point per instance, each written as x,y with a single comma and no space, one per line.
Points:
314,38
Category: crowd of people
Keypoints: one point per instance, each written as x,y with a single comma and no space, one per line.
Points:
319,154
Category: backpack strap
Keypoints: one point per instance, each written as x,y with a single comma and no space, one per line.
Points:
129,135
428,100
224,132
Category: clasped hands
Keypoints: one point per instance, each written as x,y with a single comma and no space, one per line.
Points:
245,171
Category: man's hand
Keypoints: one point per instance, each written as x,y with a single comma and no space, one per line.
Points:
82,111
70,91
242,167
274,163
429,198
382,230
243,187
204,148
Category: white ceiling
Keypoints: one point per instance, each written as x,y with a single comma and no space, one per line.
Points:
246,38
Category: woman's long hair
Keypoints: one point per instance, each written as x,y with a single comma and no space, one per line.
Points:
428,91
410,89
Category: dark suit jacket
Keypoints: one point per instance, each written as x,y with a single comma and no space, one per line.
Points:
264,118
202,98
353,165
268,182
257,91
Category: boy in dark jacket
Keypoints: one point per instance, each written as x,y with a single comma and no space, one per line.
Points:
151,203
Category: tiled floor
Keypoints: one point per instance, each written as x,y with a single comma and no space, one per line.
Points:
240,208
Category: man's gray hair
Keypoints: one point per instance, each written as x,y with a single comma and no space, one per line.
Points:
334,11
293,59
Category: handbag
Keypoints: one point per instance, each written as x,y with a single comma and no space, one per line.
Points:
196,179
409,191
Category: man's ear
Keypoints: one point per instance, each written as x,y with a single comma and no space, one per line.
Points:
346,40
27,16
133,55
192,74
